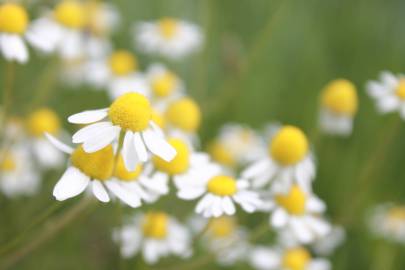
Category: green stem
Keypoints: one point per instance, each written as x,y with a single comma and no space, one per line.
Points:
7,93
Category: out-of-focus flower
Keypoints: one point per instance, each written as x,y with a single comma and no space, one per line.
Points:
17,172
236,146
326,245
338,107
289,160
299,212
156,235
39,122
388,221
131,115
388,93
168,37
219,193
292,258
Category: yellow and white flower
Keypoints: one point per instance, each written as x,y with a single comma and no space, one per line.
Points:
98,173
299,212
236,146
291,258
388,221
219,193
338,107
288,161
388,93
131,115
168,37
17,172
156,235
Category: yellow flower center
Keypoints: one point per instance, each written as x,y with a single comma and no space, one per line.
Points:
289,146
122,173
222,185
41,121
122,63
221,154
164,84
184,114
296,259
397,213
97,165
221,227
294,202
340,97
168,27
71,14
179,164
13,18
155,225
400,91
131,111
7,163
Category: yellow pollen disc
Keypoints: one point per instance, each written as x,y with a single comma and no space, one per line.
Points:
7,163
296,259
70,13
220,153
184,114
155,225
97,165
168,27
294,202
179,164
400,90
397,213
164,84
131,111
122,173
13,18
158,119
340,97
41,121
222,185
122,63
288,146
221,227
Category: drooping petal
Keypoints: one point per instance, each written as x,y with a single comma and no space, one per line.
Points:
158,145
90,131
58,144
99,191
123,194
72,183
128,152
140,147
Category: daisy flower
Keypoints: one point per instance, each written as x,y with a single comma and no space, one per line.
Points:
95,172
130,115
388,221
219,193
236,145
299,212
338,107
38,123
168,37
17,172
118,73
156,235
388,93
288,160
14,29
292,258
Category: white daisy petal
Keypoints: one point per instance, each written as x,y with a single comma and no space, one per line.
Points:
140,147
128,152
58,144
99,191
190,193
301,231
123,194
88,117
158,146
102,140
72,183
90,131
279,218
228,206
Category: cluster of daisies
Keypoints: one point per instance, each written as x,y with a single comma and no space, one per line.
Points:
144,144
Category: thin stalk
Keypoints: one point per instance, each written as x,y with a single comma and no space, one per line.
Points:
9,80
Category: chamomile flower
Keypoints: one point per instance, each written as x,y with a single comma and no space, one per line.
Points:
39,122
61,29
131,115
338,107
219,193
118,73
236,146
326,245
288,160
17,172
298,211
95,172
388,221
168,37
156,235
388,93
14,30
291,258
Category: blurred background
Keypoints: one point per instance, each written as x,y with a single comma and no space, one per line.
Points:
262,61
